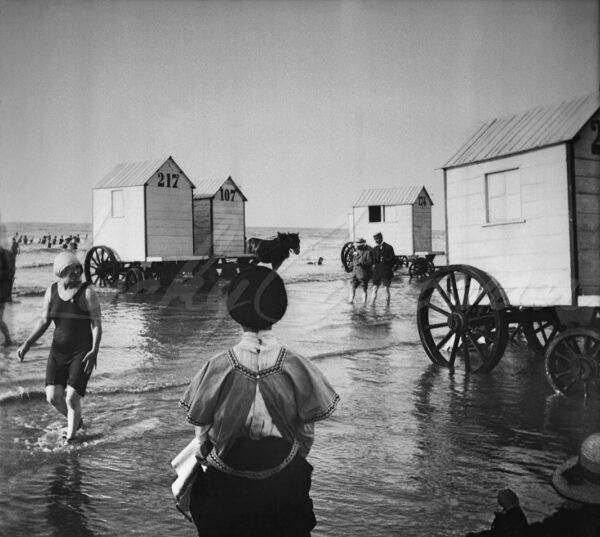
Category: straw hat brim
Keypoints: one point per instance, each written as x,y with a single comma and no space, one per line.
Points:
586,492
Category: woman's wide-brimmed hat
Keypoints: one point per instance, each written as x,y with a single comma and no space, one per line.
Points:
579,477
64,260
360,241
256,297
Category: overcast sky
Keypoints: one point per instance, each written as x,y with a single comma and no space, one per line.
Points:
303,103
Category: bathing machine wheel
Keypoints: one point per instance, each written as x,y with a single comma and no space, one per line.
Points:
573,362
133,276
540,327
421,267
462,314
101,266
347,256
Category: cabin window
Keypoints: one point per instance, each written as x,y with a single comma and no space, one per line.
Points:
375,213
503,196
116,199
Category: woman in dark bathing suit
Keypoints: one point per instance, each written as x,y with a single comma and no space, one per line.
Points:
74,307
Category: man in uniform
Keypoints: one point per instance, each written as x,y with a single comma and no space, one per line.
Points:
383,271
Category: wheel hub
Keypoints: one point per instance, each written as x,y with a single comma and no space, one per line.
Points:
584,368
457,322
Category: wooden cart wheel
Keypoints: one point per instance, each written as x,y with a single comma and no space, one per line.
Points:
573,363
133,276
540,327
462,312
348,256
420,268
402,261
101,266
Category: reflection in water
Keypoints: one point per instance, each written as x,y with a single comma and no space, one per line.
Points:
66,504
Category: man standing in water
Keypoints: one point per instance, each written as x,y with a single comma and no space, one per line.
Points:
383,271
363,269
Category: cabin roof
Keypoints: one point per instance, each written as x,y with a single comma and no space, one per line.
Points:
207,188
533,129
132,173
390,196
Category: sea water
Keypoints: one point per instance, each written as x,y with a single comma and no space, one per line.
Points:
412,450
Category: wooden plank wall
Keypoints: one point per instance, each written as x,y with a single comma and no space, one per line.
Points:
202,227
169,219
422,227
587,209
228,221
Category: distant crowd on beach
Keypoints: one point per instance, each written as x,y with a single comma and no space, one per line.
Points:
51,241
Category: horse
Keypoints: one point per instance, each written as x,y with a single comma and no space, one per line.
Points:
274,251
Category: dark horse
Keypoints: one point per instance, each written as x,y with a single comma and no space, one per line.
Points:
274,251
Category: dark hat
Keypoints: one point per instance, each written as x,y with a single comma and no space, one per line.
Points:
378,235
578,478
256,297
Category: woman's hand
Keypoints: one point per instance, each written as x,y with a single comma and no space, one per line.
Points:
22,351
89,361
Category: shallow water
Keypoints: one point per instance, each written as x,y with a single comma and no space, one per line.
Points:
411,450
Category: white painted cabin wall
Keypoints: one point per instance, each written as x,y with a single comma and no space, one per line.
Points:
398,233
531,259
124,235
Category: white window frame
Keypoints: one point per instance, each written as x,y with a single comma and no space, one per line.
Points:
503,197
116,204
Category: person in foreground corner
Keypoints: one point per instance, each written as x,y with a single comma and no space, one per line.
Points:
74,307
383,267
577,480
254,407
510,522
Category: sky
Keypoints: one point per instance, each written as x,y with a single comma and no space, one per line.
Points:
303,103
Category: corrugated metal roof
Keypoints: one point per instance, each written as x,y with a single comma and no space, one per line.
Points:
533,129
207,188
389,196
131,173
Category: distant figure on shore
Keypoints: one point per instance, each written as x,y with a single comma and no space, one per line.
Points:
362,269
16,249
254,407
5,289
383,267
74,307
510,522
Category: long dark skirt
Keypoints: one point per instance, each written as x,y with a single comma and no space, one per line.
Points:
278,506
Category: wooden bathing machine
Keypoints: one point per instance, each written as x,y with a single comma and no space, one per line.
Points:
523,244
149,218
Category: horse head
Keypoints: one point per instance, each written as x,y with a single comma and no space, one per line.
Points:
290,241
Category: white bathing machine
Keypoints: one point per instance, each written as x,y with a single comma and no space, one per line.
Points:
151,220
403,217
523,245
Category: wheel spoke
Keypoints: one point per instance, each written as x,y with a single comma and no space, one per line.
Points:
454,288
467,289
444,340
454,350
477,347
436,325
444,295
480,297
439,310
485,335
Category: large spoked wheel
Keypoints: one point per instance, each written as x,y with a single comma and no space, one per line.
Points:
540,327
347,256
462,314
101,266
573,363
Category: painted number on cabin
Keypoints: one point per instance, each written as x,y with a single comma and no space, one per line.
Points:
422,201
168,180
227,194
